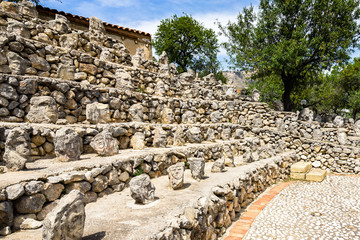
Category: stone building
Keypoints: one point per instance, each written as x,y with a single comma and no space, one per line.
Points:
131,38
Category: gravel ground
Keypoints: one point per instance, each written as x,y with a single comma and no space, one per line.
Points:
311,210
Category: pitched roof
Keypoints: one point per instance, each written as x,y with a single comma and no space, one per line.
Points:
38,7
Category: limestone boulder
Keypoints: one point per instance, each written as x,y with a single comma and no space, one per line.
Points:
105,144
138,141
18,28
194,135
39,63
142,190
67,219
42,110
28,86
306,115
17,149
138,58
160,137
218,166
17,64
228,156
123,79
67,144
197,167
97,30
98,113
136,113
167,116
176,175
188,117
61,24
256,95
163,59
339,121
30,204
342,138
6,214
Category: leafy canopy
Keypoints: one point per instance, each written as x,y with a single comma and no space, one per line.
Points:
293,40
341,89
188,44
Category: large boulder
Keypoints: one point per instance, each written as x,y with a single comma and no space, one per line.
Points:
142,190
67,144
17,149
42,110
67,219
97,113
105,144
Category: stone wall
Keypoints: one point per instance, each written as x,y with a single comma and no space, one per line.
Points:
214,213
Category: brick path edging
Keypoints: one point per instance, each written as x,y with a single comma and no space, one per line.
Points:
241,226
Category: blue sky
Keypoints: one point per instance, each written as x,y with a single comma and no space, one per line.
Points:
145,15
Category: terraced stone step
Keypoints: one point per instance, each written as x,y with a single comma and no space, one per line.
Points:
57,62
219,198
69,102
304,171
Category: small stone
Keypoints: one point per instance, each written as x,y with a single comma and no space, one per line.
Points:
82,186
30,223
124,176
53,191
13,192
33,187
100,183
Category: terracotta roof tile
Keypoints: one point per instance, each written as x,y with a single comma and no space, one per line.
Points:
87,19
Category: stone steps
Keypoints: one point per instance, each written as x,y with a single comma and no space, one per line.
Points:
115,216
80,66
69,100
304,171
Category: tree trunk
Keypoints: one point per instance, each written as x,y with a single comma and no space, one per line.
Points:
288,87
354,113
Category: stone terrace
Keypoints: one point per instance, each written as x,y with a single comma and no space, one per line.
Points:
79,112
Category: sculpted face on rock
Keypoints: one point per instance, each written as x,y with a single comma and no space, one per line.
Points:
167,116
142,190
17,149
176,175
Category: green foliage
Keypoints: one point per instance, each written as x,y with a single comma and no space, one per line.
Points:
188,44
138,172
271,88
341,89
292,40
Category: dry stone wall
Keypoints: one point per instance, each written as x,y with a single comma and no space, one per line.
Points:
65,93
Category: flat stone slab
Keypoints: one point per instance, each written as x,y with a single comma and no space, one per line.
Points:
300,167
312,210
316,175
298,176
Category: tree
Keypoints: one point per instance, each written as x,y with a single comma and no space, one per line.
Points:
341,89
293,39
188,44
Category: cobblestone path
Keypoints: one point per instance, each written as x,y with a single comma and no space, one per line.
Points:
329,210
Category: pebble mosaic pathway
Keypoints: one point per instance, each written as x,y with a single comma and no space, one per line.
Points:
301,210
